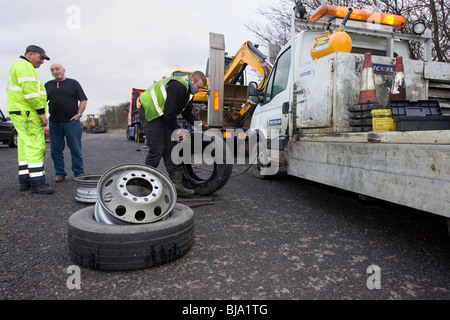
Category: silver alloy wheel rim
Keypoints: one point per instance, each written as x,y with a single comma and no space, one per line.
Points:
87,188
134,193
104,217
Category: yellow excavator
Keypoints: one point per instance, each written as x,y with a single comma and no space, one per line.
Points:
247,55
95,125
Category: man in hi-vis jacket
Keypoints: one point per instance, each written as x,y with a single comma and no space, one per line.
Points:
160,106
26,101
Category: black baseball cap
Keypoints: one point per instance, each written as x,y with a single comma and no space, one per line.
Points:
37,49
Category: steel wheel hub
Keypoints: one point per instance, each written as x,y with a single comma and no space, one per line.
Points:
134,194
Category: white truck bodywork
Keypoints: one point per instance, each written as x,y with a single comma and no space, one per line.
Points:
410,168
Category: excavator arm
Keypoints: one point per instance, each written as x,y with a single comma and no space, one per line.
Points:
248,55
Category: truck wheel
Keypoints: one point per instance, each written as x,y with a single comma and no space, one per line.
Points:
129,247
13,142
259,159
207,179
129,136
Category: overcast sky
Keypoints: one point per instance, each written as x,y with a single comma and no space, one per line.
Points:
111,46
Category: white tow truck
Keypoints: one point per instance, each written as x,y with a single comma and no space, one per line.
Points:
315,124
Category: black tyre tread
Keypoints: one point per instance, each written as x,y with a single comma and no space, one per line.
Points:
256,171
12,143
218,179
127,134
129,247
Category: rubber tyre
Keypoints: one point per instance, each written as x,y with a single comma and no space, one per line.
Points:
216,181
129,247
128,134
256,168
13,141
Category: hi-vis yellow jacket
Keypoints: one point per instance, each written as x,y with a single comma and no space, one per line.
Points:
154,98
24,90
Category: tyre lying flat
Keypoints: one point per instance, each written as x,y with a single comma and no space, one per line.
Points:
129,247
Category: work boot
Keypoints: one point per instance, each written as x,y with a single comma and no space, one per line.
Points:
24,186
42,189
177,179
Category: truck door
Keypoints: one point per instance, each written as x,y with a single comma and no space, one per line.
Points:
269,114
314,94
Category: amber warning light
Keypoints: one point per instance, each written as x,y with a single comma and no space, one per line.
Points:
216,106
328,12
227,134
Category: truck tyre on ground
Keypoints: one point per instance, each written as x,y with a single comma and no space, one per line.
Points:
219,175
129,247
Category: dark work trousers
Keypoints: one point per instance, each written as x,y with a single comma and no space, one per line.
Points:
159,142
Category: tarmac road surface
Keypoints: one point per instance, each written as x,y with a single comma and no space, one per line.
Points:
279,239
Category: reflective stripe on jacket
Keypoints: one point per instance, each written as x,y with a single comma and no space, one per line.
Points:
24,90
154,98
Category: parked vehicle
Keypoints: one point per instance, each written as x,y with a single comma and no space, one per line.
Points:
134,129
95,125
8,134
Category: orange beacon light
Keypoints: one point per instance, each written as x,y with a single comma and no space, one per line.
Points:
339,41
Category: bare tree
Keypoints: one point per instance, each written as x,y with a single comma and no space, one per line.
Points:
276,23
275,26
437,13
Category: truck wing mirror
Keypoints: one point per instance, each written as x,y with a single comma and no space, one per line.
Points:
253,93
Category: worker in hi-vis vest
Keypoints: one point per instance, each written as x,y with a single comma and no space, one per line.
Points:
160,106
26,101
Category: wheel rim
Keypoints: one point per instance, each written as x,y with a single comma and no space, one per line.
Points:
87,188
135,194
